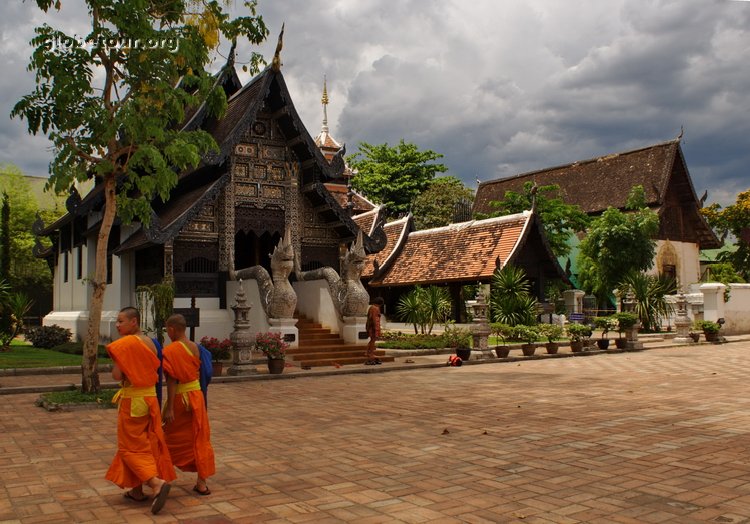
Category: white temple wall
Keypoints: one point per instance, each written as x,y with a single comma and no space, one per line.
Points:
314,301
737,310
687,263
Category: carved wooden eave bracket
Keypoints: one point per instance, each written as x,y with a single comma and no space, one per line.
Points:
372,243
159,234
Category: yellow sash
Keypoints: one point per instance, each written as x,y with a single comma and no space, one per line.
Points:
138,406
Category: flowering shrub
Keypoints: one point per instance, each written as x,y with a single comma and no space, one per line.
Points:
220,350
271,345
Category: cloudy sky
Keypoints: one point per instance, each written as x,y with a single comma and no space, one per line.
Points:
498,87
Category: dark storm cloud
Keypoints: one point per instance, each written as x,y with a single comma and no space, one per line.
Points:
497,87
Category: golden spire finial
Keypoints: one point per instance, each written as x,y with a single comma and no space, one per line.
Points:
324,100
276,62
325,92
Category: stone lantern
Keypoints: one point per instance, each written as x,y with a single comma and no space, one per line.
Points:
241,337
682,322
631,334
480,327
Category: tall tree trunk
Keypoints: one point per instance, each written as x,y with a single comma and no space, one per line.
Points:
89,370
5,240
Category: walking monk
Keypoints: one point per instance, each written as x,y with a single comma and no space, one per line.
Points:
186,419
142,454
373,330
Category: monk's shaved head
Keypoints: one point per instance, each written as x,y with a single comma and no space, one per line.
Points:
131,313
177,321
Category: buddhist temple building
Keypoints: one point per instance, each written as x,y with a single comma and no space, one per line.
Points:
268,176
606,181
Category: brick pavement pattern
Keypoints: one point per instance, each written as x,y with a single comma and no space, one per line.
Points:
654,436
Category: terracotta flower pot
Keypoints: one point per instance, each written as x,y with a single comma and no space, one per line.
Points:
217,367
576,346
275,366
528,349
502,351
552,347
711,337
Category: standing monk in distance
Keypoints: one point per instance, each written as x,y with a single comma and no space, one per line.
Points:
142,453
186,427
373,330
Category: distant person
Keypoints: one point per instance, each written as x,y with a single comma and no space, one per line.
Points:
185,416
373,330
142,454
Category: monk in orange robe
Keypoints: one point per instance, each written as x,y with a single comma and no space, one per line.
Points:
142,454
373,330
186,418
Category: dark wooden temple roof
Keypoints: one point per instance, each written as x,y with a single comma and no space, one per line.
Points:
598,183
396,233
463,252
267,92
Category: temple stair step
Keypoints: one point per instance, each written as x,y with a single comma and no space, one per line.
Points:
318,347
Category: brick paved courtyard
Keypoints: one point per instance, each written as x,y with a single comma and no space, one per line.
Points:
656,436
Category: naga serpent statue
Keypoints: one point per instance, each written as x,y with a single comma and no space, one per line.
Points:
277,295
350,298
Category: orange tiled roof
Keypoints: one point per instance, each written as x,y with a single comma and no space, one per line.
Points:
366,221
396,233
459,252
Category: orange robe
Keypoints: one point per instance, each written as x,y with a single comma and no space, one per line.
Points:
189,434
142,452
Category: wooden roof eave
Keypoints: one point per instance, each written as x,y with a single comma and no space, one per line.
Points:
373,242
535,222
397,249
159,235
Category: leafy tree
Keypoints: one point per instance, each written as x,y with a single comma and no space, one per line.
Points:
25,271
13,309
424,307
111,110
437,205
560,220
394,176
618,243
5,238
511,301
723,272
734,219
650,293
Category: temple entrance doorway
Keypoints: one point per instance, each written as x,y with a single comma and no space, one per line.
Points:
251,249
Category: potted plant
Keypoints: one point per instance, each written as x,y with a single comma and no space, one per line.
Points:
529,335
578,334
503,332
710,329
605,324
625,321
220,350
695,335
458,338
552,332
274,347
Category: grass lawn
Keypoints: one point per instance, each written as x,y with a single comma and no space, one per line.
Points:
104,397
25,356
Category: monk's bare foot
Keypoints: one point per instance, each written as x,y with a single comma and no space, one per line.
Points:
201,488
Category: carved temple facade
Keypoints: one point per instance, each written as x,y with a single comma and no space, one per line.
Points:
268,177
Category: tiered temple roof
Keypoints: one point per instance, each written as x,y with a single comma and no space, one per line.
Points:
598,183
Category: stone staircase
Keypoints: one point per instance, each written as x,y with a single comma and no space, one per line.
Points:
319,347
